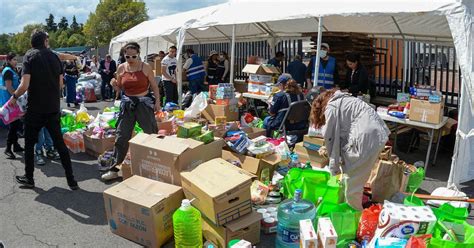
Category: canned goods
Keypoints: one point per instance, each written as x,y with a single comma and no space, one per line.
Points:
269,225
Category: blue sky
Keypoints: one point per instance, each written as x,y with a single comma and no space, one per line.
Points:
14,14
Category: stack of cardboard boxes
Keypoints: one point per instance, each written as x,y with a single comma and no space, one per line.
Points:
308,151
221,191
260,78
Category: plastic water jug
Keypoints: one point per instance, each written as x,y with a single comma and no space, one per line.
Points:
290,212
187,226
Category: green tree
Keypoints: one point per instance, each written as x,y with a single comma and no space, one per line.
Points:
51,26
62,39
4,43
21,42
75,28
111,18
63,24
76,40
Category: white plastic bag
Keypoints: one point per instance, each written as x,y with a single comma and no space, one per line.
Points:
199,104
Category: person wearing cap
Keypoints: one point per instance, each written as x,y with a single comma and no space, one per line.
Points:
212,66
195,73
328,76
289,92
297,69
277,60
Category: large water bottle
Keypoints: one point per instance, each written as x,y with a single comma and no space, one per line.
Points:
187,226
290,212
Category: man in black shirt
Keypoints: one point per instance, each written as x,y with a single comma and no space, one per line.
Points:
42,77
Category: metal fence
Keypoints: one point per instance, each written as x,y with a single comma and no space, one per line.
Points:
243,50
403,64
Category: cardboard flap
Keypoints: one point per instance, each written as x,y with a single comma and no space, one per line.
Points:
270,69
217,177
142,191
248,163
168,144
250,68
243,222
272,159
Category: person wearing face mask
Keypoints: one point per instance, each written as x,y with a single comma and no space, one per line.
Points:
328,76
195,73
107,69
357,77
212,65
137,81
223,67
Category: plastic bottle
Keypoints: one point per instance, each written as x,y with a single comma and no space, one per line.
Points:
187,226
290,212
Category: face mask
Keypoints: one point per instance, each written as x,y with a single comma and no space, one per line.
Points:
323,53
221,57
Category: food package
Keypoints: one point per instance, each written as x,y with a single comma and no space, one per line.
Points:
327,236
308,238
220,120
74,141
368,222
189,130
10,113
259,192
400,221
389,243
242,244
206,138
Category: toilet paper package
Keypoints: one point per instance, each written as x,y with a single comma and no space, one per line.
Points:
400,221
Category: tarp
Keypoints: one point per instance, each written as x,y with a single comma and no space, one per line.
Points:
435,21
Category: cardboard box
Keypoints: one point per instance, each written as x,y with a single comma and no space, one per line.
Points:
254,165
246,228
254,132
327,236
163,158
221,190
260,69
165,125
308,237
141,210
126,170
313,143
213,110
94,146
424,111
157,66
305,155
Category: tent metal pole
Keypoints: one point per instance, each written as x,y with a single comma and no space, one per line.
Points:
232,56
318,46
147,40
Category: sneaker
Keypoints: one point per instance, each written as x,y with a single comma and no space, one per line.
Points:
18,148
39,159
72,184
52,154
110,175
9,154
23,180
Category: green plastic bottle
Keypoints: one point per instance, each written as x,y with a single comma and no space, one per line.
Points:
187,226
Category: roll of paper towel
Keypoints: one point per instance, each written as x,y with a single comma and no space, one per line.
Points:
400,221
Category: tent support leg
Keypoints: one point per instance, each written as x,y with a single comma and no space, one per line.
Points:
232,56
316,64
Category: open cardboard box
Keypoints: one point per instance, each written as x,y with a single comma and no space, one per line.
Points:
140,209
220,189
94,146
163,158
254,165
246,228
214,110
307,155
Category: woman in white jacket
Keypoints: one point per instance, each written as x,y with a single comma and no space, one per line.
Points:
353,133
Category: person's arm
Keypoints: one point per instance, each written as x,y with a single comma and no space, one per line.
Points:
66,56
336,75
187,64
363,80
227,69
25,83
164,69
113,67
308,74
61,81
275,106
8,78
331,140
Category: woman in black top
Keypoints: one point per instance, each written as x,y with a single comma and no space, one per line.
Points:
212,77
357,78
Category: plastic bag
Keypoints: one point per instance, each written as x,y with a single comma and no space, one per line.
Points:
456,234
259,192
10,113
198,105
344,218
368,222
314,184
418,242
415,180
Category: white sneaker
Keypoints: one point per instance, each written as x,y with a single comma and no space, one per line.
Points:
110,175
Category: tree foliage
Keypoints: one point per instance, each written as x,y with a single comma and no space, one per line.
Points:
4,43
111,18
75,28
21,42
51,26
63,24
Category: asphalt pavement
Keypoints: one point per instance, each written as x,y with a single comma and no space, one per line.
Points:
51,215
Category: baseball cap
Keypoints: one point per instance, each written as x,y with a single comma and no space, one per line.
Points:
213,52
283,78
324,44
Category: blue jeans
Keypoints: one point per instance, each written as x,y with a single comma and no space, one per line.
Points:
44,140
197,85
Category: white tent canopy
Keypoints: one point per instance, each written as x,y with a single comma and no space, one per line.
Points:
437,21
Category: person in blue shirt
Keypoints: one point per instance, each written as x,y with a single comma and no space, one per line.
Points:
195,72
277,60
328,76
289,92
9,83
297,70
